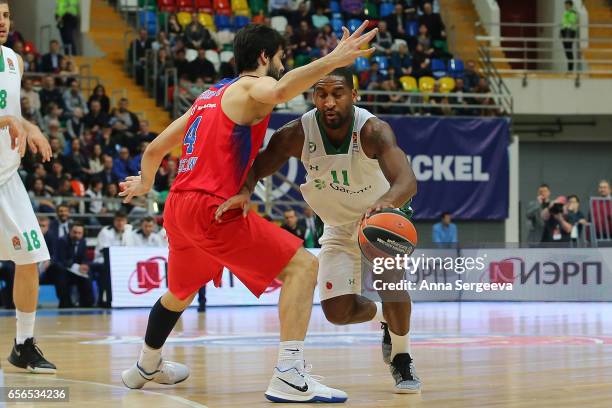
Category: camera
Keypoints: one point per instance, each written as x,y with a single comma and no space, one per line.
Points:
556,208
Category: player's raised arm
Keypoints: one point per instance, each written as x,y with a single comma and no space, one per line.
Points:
267,90
285,143
380,142
152,157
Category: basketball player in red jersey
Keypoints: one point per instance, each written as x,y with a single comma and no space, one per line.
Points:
221,136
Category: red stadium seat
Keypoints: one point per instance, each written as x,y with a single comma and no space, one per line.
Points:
185,5
166,6
204,6
222,7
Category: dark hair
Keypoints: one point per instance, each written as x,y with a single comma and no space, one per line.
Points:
77,224
444,214
250,41
148,218
120,214
569,3
63,205
346,73
569,197
544,185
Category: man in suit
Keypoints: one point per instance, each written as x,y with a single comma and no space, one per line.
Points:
51,62
73,268
60,226
107,175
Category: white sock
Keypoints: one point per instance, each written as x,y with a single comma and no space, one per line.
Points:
288,353
399,344
25,326
379,317
149,358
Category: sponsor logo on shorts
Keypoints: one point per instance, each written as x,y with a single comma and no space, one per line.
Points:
16,243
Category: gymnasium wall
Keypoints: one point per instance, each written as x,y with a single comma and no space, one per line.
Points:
29,16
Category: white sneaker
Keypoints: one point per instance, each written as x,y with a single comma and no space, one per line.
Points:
167,372
296,385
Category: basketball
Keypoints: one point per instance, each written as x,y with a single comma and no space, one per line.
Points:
387,233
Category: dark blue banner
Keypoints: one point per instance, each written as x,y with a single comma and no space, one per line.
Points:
461,164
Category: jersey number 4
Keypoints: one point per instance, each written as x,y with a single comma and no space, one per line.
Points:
192,135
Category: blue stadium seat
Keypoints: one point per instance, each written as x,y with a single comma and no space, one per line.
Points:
362,64
455,68
222,22
148,19
386,9
334,6
336,24
353,24
438,68
383,62
412,28
241,21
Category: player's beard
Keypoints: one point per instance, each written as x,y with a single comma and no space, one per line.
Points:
335,123
274,73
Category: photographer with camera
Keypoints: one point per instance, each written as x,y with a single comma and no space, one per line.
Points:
556,226
534,214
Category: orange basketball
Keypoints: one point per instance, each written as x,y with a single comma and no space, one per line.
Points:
387,233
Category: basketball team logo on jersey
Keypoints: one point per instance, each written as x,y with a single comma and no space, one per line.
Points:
11,64
16,243
355,143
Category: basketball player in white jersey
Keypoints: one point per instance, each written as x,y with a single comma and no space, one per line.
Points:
354,167
21,240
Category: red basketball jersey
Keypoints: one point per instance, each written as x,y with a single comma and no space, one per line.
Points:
217,153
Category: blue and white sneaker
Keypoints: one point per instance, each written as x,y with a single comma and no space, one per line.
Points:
296,385
402,369
167,372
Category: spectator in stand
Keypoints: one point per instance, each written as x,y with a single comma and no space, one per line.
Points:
125,123
331,40
302,13
401,60
75,163
421,64
95,160
96,119
471,76
165,176
197,36
99,94
279,8
51,62
30,113
292,225
60,226
50,94
161,42
174,28
72,268
304,38
111,203
144,133
30,64
108,141
54,114
119,234
534,214
319,19
54,131
390,85
18,48
68,72
603,189
107,175
57,154
145,236
38,171
575,217
202,68
65,191
75,126
40,197
123,165
27,91
372,79
485,100
66,14
137,52
457,97
228,69
569,30
73,98
164,63
444,233
396,22
352,9
433,22
13,36
181,64
556,227
425,40
138,157
94,193
383,42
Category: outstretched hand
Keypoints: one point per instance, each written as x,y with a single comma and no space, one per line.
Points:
350,46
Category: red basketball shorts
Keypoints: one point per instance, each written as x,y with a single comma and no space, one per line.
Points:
252,248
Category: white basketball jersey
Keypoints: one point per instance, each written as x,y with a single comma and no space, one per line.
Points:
341,184
10,105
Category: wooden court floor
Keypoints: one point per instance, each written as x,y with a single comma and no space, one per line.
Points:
467,355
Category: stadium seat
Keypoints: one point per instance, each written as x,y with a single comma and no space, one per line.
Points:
166,6
257,6
148,4
412,28
223,22
183,18
222,7
371,10
301,60
355,82
426,84
148,20
334,6
213,56
185,5
386,9
446,84
336,25
353,24
438,68
279,23
455,68
440,45
225,38
241,21
240,8
226,56
207,21
383,62
409,84
190,54
204,6
362,64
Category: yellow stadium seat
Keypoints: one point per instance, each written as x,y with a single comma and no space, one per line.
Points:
183,18
355,82
426,84
241,8
447,84
409,84
207,21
